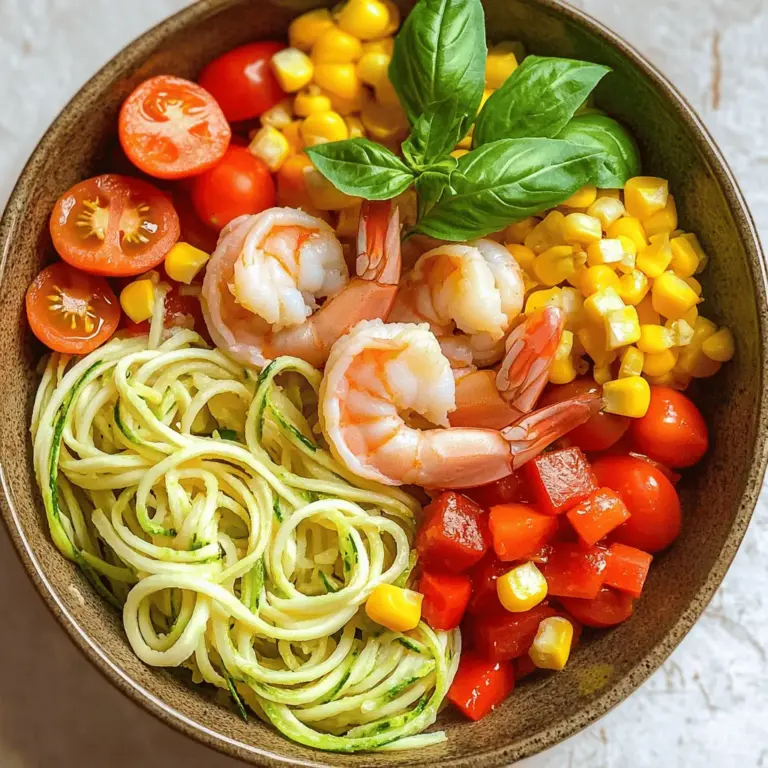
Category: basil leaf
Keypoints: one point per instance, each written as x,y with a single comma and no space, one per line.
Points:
505,181
435,134
433,183
362,168
537,99
621,159
440,54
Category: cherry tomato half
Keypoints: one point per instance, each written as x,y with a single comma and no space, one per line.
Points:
673,431
242,80
71,311
608,609
114,226
239,184
654,506
170,127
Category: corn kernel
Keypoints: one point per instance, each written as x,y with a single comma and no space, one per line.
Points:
580,229
279,116
622,327
655,338
292,135
633,287
323,194
577,278
685,260
682,331
522,588
355,127
660,363
555,264
381,122
631,363
335,46
598,278
271,147
694,284
138,299
572,304
372,67
293,69
539,299
365,19
487,93
386,94
311,100
585,197
654,259
552,644
562,371
304,30
695,363
517,232
382,45
631,228
465,143
646,313
349,220
627,397
719,346
500,64
702,256
606,210
457,153
672,297
604,252
338,79
662,221
548,232
353,106
184,261
601,374
593,338
628,255
394,17
645,195
323,127
393,607
612,194
525,257
291,182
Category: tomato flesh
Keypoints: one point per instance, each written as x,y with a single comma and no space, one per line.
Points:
445,598
607,609
480,685
70,311
518,530
560,479
627,568
509,489
572,571
502,636
596,516
484,575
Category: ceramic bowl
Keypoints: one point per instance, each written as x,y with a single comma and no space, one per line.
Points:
718,496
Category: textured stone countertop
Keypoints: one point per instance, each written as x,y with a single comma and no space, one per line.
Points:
707,706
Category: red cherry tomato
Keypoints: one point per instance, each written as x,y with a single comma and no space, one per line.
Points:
673,430
239,184
654,506
608,609
71,311
602,430
242,80
170,128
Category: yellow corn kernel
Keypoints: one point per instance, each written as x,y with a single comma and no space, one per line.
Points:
487,93
577,278
664,220
585,197
681,330
604,252
349,220
694,284
393,607
323,194
355,127
593,338
606,210
381,122
539,299
719,346
322,127
522,588
631,363
552,644
365,19
138,299
622,327
633,287
660,363
372,67
184,261
645,195
270,146
572,304
685,260
335,46
694,363
613,194
311,100
353,106
279,116
672,297
580,229
394,17
702,256
645,311
293,69
562,371
627,397
601,374
555,264
628,255
654,259
631,228
500,64
382,45
465,143
517,232
655,339
702,330
525,257
457,153
548,232
338,79
386,94
304,30
292,135
597,278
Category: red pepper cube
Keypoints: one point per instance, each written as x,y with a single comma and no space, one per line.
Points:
597,515
445,598
518,530
454,535
572,571
627,568
480,685
501,635
560,479
485,598
512,488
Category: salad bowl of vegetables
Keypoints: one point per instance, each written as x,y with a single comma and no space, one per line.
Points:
507,597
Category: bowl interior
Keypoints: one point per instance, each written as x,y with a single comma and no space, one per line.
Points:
718,496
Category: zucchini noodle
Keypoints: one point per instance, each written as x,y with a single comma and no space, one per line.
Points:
197,496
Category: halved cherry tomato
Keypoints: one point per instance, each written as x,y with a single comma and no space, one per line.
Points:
599,432
673,431
71,311
242,80
170,128
114,226
480,685
652,501
608,609
239,184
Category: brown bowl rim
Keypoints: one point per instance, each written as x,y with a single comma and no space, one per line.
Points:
132,54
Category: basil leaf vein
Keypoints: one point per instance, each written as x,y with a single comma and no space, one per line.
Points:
435,134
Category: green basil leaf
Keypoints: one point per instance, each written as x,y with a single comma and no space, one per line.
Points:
433,183
440,54
362,168
506,181
435,134
537,99
621,159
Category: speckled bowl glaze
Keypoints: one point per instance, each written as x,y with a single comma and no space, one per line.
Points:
718,496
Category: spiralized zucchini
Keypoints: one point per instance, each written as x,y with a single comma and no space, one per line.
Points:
196,496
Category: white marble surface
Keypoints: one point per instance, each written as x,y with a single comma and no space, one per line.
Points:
708,706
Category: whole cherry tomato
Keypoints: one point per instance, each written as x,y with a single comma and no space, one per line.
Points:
673,430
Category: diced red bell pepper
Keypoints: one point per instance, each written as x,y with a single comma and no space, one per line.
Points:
445,598
627,568
454,535
484,595
501,635
480,685
512,488
517,530
608,609
560,480
597,515
524,666
573,571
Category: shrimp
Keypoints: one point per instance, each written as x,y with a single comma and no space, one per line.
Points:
379,375
263,282
470,294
